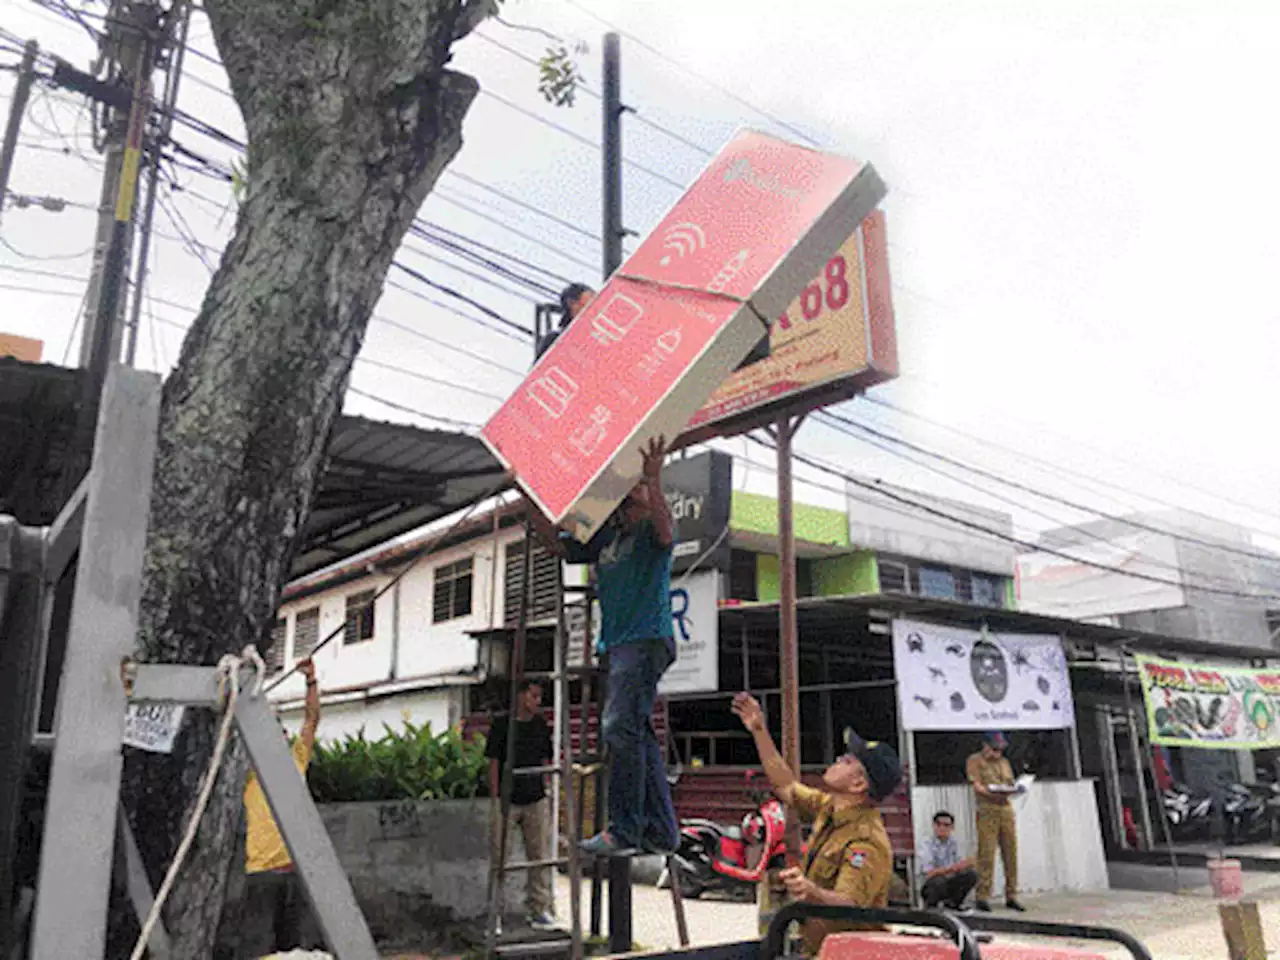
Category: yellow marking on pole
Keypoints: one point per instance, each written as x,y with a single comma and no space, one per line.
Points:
128,184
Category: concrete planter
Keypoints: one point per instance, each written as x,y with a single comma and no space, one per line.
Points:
420,869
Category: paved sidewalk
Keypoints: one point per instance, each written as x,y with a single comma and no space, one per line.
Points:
1174,927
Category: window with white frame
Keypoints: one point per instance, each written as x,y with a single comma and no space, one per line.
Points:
452,590
905,575
359,623
895,577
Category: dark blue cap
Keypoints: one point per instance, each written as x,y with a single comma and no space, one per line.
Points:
879,760
995,738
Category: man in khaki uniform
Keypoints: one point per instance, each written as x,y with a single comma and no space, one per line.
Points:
991,777
849,860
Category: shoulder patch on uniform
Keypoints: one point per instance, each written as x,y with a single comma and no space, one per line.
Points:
857,859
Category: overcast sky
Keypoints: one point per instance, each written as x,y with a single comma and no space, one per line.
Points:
1082,217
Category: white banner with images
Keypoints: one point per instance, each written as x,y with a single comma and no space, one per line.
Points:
955,679
695,617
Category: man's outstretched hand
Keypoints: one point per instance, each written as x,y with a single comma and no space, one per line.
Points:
652,456
747,709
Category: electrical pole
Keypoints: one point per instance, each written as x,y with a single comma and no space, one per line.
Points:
131,36
178,25
611,100
17,109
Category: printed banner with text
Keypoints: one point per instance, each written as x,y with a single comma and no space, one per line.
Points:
955,679
1216,708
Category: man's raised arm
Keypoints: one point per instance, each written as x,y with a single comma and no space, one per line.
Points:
747,709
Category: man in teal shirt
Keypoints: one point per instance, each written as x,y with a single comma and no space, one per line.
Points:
632,557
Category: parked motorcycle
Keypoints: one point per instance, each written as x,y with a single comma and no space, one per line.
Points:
1190,813
730,859
1246,812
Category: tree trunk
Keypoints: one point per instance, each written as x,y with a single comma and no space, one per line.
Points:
351,117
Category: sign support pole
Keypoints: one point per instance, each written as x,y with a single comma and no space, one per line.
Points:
789,644
788,628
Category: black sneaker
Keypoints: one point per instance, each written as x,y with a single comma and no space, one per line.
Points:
1015,906
982,906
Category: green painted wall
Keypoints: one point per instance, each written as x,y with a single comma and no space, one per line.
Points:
847,575
768,574
756,513
1010,594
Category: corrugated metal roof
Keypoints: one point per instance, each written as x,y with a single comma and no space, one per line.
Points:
40,459
836,611
386,479
382,479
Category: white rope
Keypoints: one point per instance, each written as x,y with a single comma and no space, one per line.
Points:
229,689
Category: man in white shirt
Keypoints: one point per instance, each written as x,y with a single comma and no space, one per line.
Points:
947,878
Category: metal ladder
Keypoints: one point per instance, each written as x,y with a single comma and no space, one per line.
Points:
564,769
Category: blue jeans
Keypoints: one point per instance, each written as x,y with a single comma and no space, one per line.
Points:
640,809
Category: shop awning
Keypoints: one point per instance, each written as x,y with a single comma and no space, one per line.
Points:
830,611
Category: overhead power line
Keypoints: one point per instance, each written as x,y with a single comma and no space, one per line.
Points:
574,135
1059,468
636,114
465,178
881,491
404,408
559,251
1026,488
536,268
736,97
477,277
426,378
462,297
924,463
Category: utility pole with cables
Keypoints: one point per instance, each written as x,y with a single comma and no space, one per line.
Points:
178,25
612,109
17,108
130,49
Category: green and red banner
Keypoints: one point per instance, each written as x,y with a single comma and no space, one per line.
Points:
1210,707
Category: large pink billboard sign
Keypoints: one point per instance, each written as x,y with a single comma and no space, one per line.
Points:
675,319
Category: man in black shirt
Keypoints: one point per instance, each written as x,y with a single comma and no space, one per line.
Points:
529,803
573,299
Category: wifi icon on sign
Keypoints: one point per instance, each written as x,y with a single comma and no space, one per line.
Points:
682,239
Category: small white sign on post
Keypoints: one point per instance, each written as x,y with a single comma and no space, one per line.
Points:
695,617
153,726
950,678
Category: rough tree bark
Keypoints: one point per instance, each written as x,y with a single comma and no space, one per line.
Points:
352,116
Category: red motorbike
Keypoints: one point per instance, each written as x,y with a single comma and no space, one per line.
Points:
730,859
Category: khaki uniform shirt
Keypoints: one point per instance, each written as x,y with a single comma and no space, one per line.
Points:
978,769
849,854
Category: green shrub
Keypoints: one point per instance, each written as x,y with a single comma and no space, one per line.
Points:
408,764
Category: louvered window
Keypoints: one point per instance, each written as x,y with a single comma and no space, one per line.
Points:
544,586
895,577
306,633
